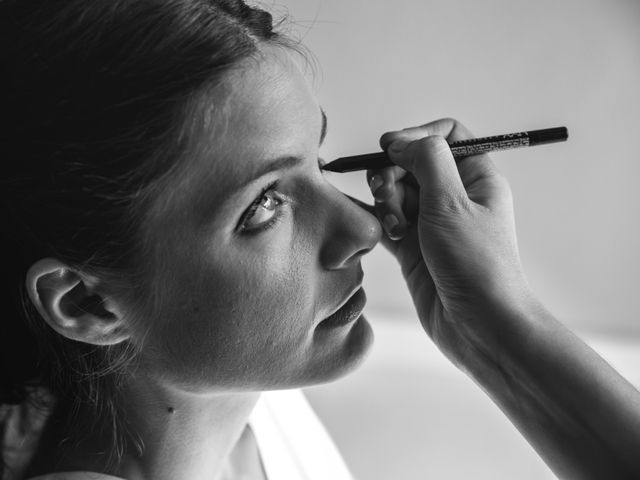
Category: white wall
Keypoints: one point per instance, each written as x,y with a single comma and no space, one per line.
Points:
502,66
498,66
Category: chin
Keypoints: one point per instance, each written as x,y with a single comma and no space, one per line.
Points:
347,348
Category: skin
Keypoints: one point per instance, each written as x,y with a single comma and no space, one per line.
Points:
222,323
237,311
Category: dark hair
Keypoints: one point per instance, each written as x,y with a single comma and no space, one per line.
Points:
94,98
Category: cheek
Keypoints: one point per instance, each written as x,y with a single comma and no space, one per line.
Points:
246,311
268,299
269,282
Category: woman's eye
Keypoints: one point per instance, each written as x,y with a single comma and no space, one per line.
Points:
263,211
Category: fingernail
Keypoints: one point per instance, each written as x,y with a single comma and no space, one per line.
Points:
376,182
389,222
398,146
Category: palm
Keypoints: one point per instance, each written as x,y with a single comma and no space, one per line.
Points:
433,315
456,222
433,248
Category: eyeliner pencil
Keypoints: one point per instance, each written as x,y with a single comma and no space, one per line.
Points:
460,149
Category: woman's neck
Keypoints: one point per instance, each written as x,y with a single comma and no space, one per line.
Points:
183,435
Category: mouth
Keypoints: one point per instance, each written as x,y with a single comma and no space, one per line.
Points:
348,312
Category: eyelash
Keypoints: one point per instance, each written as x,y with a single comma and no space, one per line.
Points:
257,202
254,206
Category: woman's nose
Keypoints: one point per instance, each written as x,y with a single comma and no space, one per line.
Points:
351,233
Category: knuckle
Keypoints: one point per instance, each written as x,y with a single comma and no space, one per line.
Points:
504,187
433,145
448,202
444,125
388,138
448,121
500,183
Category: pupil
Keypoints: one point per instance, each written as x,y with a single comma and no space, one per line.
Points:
268,202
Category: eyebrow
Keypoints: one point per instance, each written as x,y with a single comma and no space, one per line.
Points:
283,163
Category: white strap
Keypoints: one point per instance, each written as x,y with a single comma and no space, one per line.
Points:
292,441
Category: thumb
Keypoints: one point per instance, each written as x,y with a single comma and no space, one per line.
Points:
431,162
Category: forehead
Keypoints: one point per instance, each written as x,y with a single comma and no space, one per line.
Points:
264,110
269,111
271,107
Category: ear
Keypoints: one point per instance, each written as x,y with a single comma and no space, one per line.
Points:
76,305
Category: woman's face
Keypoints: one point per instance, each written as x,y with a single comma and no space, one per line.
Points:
254,248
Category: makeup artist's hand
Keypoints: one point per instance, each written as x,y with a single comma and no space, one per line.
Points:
451,227
455,239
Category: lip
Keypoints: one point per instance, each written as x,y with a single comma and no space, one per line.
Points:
349,311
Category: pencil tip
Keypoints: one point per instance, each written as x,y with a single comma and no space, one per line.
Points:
330,167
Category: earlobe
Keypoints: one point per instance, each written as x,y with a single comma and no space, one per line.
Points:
74,304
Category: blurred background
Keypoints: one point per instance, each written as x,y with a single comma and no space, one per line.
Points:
499,66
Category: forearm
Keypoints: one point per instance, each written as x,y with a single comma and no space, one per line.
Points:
460,258
579,414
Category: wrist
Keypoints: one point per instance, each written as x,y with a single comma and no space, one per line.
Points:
501,328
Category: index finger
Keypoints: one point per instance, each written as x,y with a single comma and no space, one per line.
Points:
448,128
470,168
